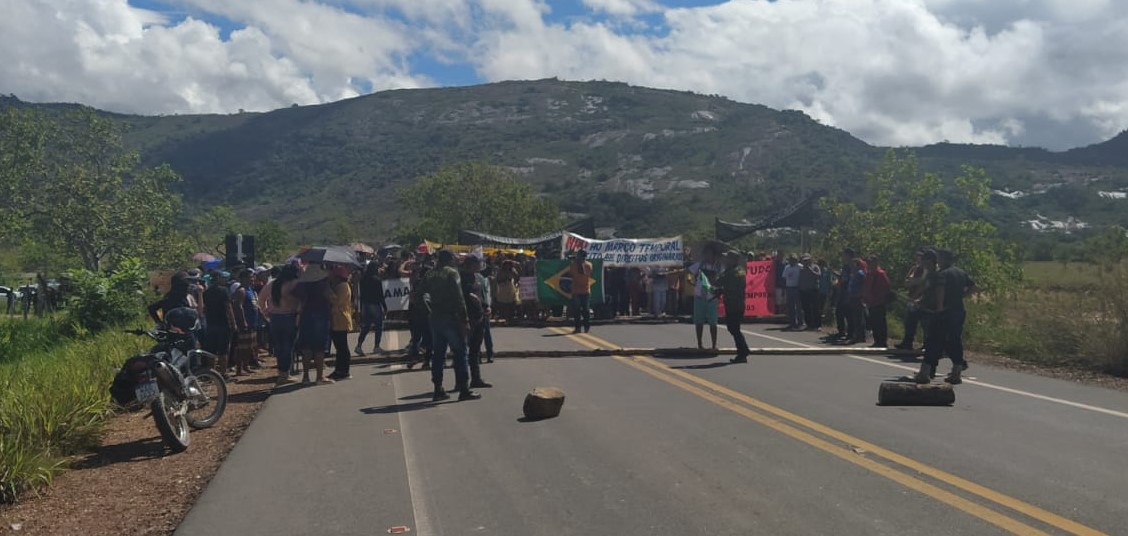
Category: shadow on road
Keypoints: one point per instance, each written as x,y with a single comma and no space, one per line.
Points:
133,451
419,396
718,364
397,408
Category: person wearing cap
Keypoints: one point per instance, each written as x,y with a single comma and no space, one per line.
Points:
450,325
580,271
316,299
341,322
731,285
855,307
220,318
791,275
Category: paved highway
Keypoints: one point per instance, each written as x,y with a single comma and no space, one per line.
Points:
649,446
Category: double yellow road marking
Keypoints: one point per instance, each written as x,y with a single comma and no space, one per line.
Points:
842,445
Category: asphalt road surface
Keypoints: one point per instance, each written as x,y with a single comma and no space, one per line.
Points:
647,446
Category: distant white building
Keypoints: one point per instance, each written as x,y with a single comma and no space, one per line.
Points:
1043,224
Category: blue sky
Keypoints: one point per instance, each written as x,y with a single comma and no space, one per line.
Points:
1043,73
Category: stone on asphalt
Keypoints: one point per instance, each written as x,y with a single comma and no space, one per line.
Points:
901,393
543,403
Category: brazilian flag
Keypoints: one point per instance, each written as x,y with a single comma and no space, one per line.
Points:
554,285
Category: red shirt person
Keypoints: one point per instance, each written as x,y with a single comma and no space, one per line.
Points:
876,297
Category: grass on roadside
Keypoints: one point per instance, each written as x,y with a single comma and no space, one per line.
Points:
53,403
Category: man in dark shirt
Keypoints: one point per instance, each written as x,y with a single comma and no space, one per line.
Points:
220,318
474,295
449,326
956,286
942,305
732,286
373,307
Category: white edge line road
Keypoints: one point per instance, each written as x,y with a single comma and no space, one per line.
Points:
420,508
1079,405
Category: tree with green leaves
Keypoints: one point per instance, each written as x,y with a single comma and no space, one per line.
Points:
211,227
74,186
477,196
272,242
911,209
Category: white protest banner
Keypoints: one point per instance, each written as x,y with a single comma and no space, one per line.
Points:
397,293
527,288
629,251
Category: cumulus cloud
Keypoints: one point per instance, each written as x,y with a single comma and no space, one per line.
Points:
111,55
890,71
893,72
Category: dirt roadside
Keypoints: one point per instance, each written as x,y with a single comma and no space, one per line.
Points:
131,485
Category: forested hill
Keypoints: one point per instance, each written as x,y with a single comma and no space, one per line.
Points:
646,161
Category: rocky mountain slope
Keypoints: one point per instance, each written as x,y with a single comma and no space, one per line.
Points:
644,161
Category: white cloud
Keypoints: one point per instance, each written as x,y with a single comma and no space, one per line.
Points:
896,72
890,71
111,55
623,7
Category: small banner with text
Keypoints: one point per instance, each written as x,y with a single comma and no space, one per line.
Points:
629,251
759,290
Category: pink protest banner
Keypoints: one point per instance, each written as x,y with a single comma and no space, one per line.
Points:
759,290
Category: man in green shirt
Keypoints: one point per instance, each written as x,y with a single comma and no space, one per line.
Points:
731,285
449,326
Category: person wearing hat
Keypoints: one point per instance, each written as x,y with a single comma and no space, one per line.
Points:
580,272
731,285
450,325
316,299
341,321
220,318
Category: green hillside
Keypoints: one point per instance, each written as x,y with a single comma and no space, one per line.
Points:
641,160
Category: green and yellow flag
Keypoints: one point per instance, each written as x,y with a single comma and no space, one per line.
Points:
554,285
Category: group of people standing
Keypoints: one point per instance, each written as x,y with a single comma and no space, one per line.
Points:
936,290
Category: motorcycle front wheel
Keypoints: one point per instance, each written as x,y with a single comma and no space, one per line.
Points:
207,399
173,427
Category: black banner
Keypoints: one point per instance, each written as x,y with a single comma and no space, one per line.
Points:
549,246
798,214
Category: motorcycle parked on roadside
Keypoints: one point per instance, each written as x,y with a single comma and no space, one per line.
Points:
175,379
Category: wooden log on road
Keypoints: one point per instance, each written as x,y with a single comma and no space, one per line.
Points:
543,403
902,393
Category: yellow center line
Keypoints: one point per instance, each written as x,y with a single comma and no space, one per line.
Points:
668,374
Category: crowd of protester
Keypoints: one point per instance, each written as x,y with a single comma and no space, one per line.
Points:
299,311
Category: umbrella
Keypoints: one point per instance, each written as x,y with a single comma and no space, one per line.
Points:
336,254
203,257
362,248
